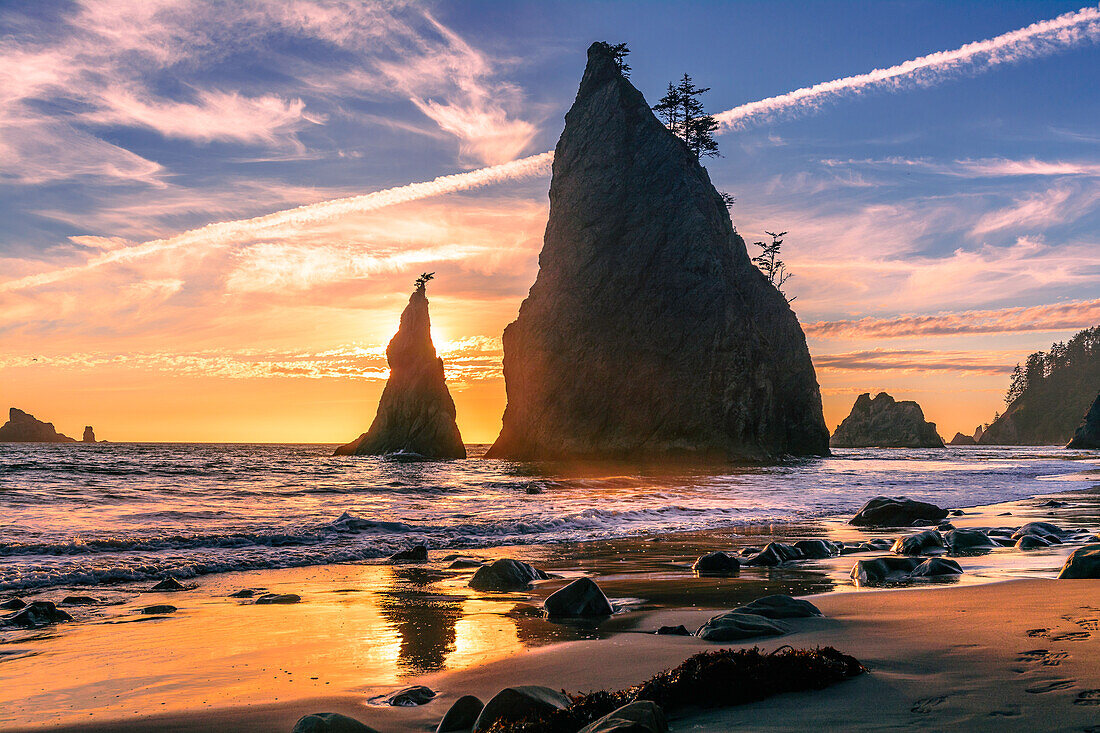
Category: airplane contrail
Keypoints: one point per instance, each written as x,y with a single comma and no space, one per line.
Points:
1034,41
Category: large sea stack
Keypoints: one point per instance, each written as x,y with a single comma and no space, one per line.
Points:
22,427
883,422
648,332
1088,435
416,413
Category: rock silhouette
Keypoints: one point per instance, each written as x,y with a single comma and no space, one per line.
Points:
22,427
1088,435
89,435
648,332
961,439
416,413
883,422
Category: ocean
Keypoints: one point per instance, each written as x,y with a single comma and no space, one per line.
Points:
91,515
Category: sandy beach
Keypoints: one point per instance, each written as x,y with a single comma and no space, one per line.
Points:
1005,646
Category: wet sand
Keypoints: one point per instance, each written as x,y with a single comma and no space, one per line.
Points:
366,629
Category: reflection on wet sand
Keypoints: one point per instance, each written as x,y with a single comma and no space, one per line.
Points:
425,620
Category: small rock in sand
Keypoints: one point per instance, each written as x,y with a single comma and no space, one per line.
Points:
642,716
580,599
935,567
780,606
516,703
1052,504
1032,542
750,551
735,626
37,613
330,723
817,549
79,600
410,697
168,584
415,554
12,604
680,630
1046,530
775,553
1083,563
927,542
968,540
465,563
268,599
506,575
886,511
157,610
717,563
461,716
883,570
243,593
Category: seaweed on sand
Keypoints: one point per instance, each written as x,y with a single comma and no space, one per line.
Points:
710,679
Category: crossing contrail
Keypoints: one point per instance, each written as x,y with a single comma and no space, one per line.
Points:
1034,41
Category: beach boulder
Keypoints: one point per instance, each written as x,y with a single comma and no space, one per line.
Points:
1050,532
883,422
280,599
961,541
410,697
330,723
775,553
516,703
580,599
885,511
928,542
158,610
642,716
936,567
36,614
461,716
12,604
817,549
736,625
883,570
780,606
168,585
416,415
416,554
506,575
1088,435
22,427
1032,542
717,563
648,332
1084,562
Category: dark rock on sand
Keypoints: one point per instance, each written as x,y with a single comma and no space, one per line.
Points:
157,610
1032,542
945,526
1052,504
330,723
169,584
580,599
648,331
505,575
13,604
465,563
89,435
750,551
879,543
243,593
817,549
416,413
410,697
883,422
1088,435
415,554
968,540
680,630
775,553
79,600
37,613
935,567
717,563
883,570
461,716
780,606
1083,563
642,716
736,625
22,427
922,543
885,511
516,703
1050,532
268,599
922,523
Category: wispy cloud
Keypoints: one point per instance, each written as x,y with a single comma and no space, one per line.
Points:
1054,317
981,167
918,360
1058,204
1035,41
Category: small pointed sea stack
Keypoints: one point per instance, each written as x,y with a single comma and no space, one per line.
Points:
89,435
416,413
883,422
648,332
1088,435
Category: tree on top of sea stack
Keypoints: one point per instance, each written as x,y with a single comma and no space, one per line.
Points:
648,331
416,413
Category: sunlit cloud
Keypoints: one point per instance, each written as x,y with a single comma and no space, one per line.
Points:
918,360
980,167
1058,204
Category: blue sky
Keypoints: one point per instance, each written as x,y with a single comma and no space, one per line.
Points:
962,197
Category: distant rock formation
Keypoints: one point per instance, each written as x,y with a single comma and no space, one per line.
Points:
648,332
89,435
883,422
22,427
1088,435
416,413
961,439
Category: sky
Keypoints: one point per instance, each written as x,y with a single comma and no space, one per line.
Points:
170,269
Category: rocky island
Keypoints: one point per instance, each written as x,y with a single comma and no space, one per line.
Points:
883,422
22,427
1088,435
416,414
648,332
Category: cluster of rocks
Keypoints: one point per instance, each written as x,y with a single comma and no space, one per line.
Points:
883,422
761,618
